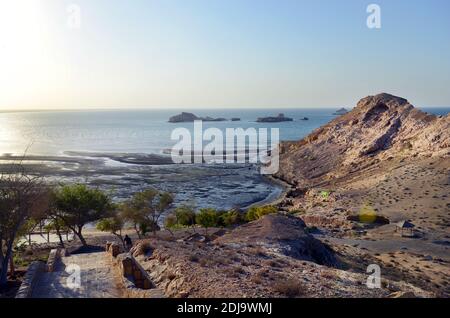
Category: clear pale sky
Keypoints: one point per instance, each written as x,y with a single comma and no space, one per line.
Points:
221,53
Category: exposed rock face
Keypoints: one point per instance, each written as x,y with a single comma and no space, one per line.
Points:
379,128
282,234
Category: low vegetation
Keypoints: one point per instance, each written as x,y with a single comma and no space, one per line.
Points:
185,216
255,213
290,288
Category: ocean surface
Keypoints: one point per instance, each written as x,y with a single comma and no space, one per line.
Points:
136,131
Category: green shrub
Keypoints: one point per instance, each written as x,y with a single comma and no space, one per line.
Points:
170,221
254,213
231,218
185,215
207,218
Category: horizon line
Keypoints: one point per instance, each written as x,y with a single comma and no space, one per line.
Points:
35,110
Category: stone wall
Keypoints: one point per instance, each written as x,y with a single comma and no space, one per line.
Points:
32,276
53,257
135,280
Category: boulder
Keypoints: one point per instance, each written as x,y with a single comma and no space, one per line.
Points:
283,234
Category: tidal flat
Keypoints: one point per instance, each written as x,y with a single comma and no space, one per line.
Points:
220,186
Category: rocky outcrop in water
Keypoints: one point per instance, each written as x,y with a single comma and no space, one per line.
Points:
277,119
185,117
341,111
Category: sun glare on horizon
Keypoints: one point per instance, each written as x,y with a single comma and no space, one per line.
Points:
24,51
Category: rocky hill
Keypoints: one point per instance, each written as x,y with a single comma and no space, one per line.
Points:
380,127
358,176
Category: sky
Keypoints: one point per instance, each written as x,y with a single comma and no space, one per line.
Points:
220,53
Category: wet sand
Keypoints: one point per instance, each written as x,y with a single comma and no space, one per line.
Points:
204,185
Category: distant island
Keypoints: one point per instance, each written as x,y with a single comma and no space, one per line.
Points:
185,117
278,119
340,112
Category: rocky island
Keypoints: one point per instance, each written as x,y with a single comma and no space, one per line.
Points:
341,111
185,117
277,119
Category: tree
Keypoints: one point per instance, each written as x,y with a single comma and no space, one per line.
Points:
77,205
170,221
145,209
254,213
57,225
185,215
207,218
22,197
131,215
113,225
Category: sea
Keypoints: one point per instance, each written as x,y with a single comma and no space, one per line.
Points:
137,131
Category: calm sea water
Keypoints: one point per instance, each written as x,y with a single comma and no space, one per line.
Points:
136,131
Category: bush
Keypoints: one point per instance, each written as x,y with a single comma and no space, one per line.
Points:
255,213
207,218
185,215
231,218
289,288
170,221
146,226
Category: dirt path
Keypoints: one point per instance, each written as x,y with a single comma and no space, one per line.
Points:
96,278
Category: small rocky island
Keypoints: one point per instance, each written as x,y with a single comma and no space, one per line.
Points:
185,117
278,119
340,112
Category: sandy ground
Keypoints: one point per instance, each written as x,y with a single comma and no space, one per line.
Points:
415,190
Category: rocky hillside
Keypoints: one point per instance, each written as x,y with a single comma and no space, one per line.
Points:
270,257
381,127
284,235
366,171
